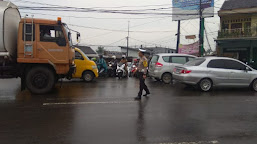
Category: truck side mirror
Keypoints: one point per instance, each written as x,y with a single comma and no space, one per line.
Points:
69,35
78,37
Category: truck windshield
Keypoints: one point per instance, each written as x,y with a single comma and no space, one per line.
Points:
68,34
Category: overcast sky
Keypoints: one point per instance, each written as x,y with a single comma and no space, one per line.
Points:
148,26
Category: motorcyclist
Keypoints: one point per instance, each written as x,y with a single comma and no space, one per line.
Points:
101,63
114,62
125,61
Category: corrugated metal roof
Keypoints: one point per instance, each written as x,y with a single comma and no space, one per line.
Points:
237,4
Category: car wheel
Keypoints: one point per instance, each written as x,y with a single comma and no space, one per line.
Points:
254,85
88,76
205,85
167,78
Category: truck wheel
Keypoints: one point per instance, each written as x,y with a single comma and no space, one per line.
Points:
40,80
88,76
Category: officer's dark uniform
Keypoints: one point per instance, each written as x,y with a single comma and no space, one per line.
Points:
142,68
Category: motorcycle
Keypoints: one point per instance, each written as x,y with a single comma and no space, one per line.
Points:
133,72
120,71
111,69
101,71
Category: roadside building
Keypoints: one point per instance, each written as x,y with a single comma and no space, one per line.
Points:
157,50
132,52
237,37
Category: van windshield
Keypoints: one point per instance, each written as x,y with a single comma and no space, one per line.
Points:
84,55
195,62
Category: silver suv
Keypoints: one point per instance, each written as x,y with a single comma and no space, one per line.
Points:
161,65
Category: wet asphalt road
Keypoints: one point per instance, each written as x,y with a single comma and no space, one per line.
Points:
104,112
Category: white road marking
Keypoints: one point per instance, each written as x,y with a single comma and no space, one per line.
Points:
199,142
93,98
84,103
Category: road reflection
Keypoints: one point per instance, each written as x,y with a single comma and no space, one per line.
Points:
140,125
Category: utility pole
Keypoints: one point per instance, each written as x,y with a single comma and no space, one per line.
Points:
178,37
201,31
128,40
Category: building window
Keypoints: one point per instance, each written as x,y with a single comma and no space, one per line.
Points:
236,26
247,27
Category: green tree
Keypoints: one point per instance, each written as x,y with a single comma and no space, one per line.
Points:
100,50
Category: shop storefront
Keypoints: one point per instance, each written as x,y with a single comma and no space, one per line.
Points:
244,50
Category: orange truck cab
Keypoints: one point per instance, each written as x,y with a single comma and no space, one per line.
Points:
43,53
51,44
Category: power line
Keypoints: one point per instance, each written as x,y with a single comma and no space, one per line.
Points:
82,10
116,41
92,7
145,42
100,18
124,30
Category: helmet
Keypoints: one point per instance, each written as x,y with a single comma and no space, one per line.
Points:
94,59
114,57
123,56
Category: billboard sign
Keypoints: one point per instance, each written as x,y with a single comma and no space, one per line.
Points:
189,9
192,49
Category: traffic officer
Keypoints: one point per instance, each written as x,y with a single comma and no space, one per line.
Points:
142,69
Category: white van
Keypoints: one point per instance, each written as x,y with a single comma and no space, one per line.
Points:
161,65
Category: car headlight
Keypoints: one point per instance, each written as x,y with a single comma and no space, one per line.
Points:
94,67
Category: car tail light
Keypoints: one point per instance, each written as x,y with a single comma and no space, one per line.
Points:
185,71
158,64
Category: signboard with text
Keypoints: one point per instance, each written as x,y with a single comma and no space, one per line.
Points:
192,49
189,9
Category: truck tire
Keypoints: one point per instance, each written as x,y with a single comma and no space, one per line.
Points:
40,80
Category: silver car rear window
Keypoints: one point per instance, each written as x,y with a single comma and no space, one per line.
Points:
195,62
155,59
